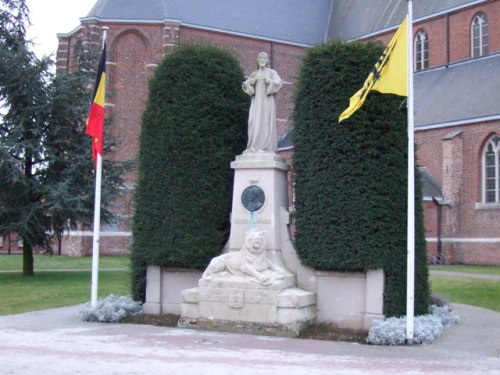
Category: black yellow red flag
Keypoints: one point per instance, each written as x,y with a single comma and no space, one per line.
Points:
95,120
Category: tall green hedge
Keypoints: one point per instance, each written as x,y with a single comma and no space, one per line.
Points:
193,127
351,178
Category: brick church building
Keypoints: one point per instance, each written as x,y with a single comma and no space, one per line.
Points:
457,86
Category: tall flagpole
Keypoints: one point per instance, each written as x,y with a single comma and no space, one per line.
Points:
410,282
97,215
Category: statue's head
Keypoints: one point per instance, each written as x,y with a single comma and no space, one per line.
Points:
255,241
262,60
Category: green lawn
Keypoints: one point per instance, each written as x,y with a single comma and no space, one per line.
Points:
468,269
55,289
14,262
47,289
469,291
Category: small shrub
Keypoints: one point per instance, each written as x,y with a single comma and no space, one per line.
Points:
427,328
112,309
445,314
438,300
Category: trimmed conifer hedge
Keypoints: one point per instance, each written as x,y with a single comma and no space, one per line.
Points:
193,127
351,178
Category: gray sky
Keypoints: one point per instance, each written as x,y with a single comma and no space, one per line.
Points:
51,17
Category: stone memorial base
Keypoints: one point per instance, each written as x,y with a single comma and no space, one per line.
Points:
238,305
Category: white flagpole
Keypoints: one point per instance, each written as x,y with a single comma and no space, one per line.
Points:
97,224
97,215
410,282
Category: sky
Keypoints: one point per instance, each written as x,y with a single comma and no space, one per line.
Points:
52,17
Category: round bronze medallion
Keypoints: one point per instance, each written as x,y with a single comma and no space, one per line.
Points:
253,198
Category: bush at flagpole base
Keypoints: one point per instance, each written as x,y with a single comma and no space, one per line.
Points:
427,328
112,309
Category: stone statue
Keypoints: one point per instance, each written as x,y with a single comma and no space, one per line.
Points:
262,85
250,262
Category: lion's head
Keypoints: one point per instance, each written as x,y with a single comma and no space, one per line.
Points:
255,241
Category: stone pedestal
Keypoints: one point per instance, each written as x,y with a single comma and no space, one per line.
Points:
234,304
269,172
249,288
164,288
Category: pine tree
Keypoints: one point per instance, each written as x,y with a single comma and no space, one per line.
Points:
46,166
24,96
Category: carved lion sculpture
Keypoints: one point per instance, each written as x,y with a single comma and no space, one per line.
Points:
251,261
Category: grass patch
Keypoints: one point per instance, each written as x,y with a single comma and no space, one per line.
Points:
14,262
55,289
484,270
468,291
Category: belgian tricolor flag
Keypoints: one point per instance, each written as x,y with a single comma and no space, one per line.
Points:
95,121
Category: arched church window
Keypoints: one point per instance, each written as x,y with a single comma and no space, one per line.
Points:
479,35
421,51
491,170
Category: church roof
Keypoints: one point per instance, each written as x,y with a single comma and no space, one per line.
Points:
460,93
355,19
293,21
302,22
430,187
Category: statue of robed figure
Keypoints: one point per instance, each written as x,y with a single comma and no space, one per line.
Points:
262,85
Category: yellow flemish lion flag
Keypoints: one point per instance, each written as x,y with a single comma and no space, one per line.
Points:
388,76
95,120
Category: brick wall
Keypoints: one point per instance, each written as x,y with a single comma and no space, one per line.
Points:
460,30
470,232
432,231
449,35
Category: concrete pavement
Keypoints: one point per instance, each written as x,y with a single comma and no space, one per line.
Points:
56,341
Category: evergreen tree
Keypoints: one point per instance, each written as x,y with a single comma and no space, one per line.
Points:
351,178
24,96
193,127
45,160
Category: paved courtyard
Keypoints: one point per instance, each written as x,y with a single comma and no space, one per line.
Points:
56,341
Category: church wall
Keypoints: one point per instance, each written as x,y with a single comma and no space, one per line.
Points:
455,45
431,229
460,38
436,33
469,231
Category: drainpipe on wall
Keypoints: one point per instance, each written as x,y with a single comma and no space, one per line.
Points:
271,55
447,40
439,255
